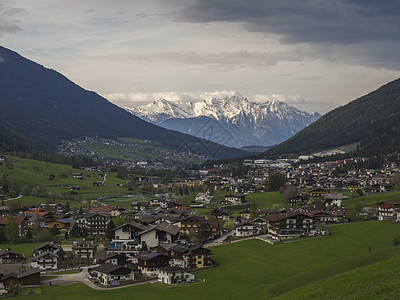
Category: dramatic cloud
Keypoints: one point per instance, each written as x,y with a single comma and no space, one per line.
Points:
333,21
328,52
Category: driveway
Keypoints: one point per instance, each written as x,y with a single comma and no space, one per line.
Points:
83,276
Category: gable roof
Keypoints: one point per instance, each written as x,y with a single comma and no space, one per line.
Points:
18,219
109,268
51,244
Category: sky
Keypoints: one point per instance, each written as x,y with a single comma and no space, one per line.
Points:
314,55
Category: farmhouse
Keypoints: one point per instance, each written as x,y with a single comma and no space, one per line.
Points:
386,210
111,274
318,192
234,199
290,225
149,262
10,257
83,249
174,275
95,223
28,277
247,229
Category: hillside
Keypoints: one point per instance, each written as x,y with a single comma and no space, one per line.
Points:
43,107
283,269
238,121
372,122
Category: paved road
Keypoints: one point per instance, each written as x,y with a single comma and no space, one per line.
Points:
83,276
13,198
220,239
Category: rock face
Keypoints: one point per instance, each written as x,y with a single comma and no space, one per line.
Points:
232,121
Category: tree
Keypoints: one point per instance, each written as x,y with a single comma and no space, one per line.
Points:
61,253
11,230
109,230
118,221
29,234
203,233
229,224
253,209
288,192
276,180
54,231
67,209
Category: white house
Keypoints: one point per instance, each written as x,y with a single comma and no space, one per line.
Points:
111,274
45,261
174,275
247,229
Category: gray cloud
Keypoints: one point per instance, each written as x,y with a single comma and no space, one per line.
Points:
337,21
8,23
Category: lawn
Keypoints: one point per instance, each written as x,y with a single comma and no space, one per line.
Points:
32,173
267,199
256,269
371,200
25,249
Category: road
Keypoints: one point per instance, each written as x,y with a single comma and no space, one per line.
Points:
83,276
220,239
13,198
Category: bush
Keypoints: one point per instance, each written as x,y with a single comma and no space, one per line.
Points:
396,241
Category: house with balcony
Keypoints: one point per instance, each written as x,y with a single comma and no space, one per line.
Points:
108,274
290,225
174,275
83,249
95,223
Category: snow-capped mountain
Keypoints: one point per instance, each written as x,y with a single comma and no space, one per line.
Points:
231,121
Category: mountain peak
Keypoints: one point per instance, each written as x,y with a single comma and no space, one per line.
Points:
244,122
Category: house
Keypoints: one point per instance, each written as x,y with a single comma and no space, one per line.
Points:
139,206
63,223
174,275
191,224
20,220
318,192
247,229
83,249
28,277
95,223
108,274
187,256
333,200
110,258
234,199
290,225
45,247
245,215
149,262
10,257
222,213
297,200
128,231
163,232
77,175
386,210
45,261
329,217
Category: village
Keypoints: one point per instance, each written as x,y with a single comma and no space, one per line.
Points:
171,234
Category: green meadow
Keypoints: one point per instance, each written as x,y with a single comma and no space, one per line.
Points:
371,200
305,269
33,173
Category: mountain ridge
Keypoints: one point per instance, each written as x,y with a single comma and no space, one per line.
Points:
45,107
243,122
371,121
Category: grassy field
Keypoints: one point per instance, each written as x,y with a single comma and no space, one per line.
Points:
267,199
371,200
32,173
25,249
256,269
